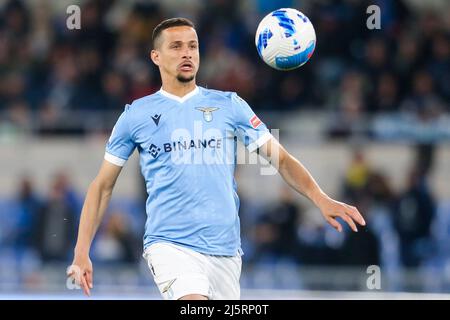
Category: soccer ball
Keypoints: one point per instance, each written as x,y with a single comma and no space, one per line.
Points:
285,39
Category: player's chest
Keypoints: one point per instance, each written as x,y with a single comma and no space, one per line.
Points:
174,122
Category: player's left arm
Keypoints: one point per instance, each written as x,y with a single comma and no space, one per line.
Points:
299,178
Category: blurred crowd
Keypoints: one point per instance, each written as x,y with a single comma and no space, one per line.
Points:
51,76
45,226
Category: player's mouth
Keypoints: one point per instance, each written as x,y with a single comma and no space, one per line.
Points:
186,66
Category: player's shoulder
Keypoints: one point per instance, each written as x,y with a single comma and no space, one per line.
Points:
150,99
214,94
135,109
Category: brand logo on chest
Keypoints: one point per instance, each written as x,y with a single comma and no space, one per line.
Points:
156,118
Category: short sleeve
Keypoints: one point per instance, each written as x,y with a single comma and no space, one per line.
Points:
250,129
120,144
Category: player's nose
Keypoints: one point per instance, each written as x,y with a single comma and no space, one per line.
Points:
187,55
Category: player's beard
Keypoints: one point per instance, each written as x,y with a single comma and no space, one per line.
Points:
184,79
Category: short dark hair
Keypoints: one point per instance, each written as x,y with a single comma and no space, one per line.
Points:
169,23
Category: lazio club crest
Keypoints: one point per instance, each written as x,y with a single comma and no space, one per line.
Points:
207,112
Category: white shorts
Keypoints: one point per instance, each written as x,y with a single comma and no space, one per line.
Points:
179,271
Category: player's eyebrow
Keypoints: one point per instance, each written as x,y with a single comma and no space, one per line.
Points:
181,42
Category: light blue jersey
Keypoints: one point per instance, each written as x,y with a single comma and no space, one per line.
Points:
187,149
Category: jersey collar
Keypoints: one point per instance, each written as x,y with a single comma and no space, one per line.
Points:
179,99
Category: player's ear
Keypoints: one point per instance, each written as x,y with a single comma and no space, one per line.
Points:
154,55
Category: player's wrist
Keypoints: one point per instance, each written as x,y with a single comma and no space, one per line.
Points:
81,251
319,198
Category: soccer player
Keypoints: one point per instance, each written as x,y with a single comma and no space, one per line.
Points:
185,137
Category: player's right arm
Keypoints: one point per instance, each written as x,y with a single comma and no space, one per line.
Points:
94,207
118,149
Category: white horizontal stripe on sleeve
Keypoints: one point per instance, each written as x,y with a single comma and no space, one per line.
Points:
114,160
258,143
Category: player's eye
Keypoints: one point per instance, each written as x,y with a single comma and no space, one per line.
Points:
194,46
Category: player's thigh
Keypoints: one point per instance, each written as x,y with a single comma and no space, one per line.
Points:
177,273
225,274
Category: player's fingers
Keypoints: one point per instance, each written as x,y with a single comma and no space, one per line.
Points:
356,215
89,278
349,221
85,286
335,224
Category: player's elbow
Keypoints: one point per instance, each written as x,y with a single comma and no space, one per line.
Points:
101,186
283,158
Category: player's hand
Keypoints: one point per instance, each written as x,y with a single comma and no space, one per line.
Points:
82,272
331,209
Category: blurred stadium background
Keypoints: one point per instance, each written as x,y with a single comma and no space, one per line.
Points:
369,115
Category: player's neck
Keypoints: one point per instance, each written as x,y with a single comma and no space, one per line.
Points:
178,88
